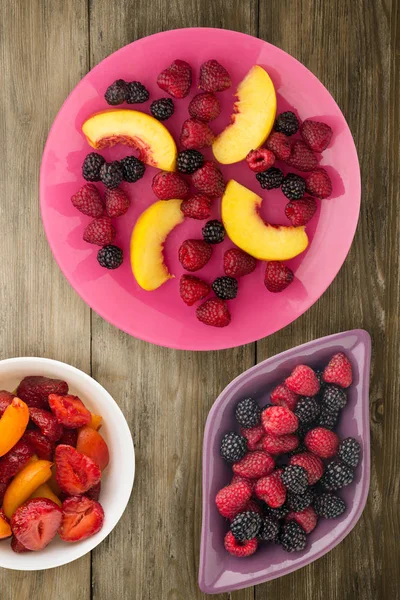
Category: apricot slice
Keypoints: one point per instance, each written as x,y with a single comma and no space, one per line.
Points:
24,484
91,444
13,424
5,529
96,421
45,491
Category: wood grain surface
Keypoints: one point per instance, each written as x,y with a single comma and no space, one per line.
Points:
353,46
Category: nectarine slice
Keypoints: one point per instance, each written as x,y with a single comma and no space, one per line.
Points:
13,424
5,529
91,444
45,491
24,484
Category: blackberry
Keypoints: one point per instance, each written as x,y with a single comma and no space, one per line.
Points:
248,413
298,502
92,165
245,526
292,537
110,257
287,123
329,506
334,398
271,178
233,447
225,287
137,93
111,174
213,232
319,373
277,513
116,93
328,419
295,479
307,409
337,475
267,406
132,168
162,109
349,452
302,429
269,530
189,161
293,186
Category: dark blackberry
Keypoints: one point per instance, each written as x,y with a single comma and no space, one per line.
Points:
110,257
246,526
271,178
298,502
225,287
302,430
328,419
117,92
293,186
269,530
111,174
329,506
319,374
189,161
137,93
267,406
292,537
295,479
213,232
162,109
233,447
287,123
337,475
334,398
92,165
349,452
132,168
307,409
248,413
277,513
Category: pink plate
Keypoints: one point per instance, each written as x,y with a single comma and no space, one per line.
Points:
161,317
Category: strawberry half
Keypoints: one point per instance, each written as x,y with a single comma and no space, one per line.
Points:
82,517
34,390
47,423
75,472
35,523
69,411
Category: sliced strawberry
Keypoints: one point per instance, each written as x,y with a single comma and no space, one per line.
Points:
94,492
5,399
3,487
47,423
35,390
81,518
69,437
12,462
75,472
42,446
17,547
91,443
36,522
69,411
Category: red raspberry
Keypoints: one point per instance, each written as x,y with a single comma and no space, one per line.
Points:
277,276
260,160
197,207
318,184
196,135
239,549
271,489
100,231
209,180
250,482
232,499
303,381
300,212
316,135
205,107
40,443
214,312
34,390
47,423
253,435
238,263
307,518
284,397
322,442
176,79
168,186
117,202
280,145
254,465
214,77
88,201
279,444
5,400
279,420
194,254
12,462
339,371
302,158
312,464
192,289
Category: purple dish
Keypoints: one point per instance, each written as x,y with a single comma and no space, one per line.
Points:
220,572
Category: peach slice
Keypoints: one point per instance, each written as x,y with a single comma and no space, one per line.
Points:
45,491
247,230
252,119
156,145
91,443
5,529
24,484
148,237
13,424
95,422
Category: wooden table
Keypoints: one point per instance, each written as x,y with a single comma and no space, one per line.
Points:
353,46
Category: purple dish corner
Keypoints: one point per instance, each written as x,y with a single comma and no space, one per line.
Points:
219,572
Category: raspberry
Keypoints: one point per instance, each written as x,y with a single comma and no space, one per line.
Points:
232,499
239,549
34,390
117,202
316,135
194,254
91,166
300,212
279,420
88,201
214,312
349,451
213,232
328,419
137,93
302,158
116,93
287,123
307,409
225,287
132,168
99,231
322,442
204,107
295,479
339,371
292,537
196,135
334,398
298,502
209,180
260,160
307,518
35,523
329,506
253,436
47,423
192,289
233,447
111,174
277,513
277,276
293,186
270,179
189,161
251,483
269,530
254,465
312,464
176,79
197,207
238,263
284,397
162,109
214,77
248,413
167,185
279,444
110,257
318,184
280,145
271,490
337,475
245,526
303,381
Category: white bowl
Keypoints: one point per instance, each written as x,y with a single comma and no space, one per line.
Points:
117,481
